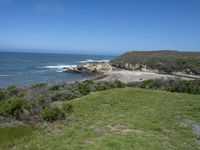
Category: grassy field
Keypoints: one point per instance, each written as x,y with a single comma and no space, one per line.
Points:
117,119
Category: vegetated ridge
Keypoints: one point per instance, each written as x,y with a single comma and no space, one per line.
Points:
164,61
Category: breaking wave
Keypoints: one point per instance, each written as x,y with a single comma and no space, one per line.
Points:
59,68
92,60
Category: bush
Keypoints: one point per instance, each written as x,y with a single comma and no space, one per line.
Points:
100,86
39,85
63,92
118,84
192,86
68,108
39,103
39,96
57,87
83,88
65,95
51,114
41,100
2,95
12,91
14,107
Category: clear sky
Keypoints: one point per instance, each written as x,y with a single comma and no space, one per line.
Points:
99,26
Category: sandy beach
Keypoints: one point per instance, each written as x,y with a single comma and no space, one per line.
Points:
134,76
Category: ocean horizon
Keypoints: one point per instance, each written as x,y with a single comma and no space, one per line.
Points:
24,69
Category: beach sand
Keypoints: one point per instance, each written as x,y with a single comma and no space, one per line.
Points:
134,76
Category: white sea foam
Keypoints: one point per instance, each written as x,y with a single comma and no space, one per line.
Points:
92,60
59,68
4,75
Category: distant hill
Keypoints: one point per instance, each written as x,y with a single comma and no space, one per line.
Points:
164,61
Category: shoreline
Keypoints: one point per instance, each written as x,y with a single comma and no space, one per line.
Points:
127,76
106,72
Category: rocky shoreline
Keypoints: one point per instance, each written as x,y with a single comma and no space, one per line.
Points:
104,71
95,67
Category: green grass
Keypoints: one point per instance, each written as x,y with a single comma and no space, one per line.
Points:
9,137
151,119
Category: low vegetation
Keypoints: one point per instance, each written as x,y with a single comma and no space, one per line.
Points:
162,61
14,108
34,104
127,118
53,113
171,85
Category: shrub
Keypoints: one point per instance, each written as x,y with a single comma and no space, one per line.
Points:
100,86
2,95
56,87
53,113
65,95
13,91
88,82
41,100
68,108
39,85
39,103
83,88
133,84
14,107
118,84
63,92
192,86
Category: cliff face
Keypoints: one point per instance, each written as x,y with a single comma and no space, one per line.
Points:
160,61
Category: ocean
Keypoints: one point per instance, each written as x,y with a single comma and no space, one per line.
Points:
24,69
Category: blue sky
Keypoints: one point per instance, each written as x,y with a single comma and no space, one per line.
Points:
99,26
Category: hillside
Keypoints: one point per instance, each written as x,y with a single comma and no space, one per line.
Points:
161,61
128,118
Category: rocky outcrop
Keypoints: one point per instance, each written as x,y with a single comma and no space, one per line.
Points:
129,66
134,66
98,67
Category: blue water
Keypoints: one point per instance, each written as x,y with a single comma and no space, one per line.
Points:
24,69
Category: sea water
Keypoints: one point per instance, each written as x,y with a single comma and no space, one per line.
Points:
24,69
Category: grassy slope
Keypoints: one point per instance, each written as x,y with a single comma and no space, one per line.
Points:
151,118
